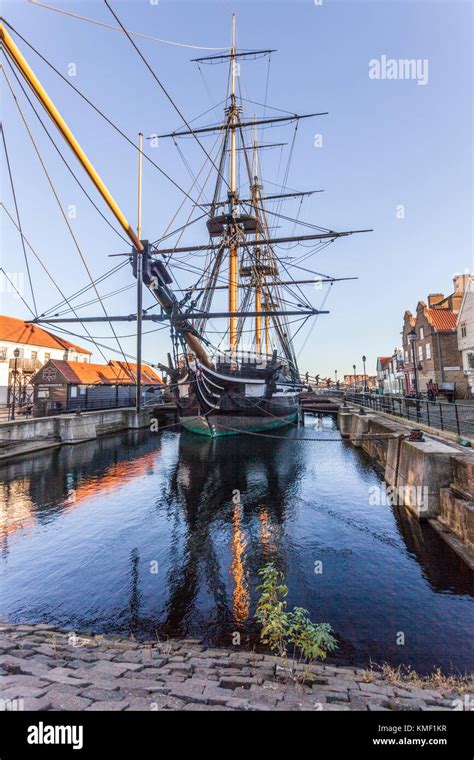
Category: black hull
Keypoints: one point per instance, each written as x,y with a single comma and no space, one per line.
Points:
215,405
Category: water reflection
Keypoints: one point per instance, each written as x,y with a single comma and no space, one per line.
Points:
241,593
81,528
33,490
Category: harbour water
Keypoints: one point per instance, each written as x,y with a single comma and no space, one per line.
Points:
162,534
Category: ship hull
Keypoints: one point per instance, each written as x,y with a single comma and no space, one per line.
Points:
212,404
217,425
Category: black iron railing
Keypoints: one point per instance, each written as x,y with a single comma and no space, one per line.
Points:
73,407
453,417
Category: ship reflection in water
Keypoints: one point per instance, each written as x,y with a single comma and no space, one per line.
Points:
163,535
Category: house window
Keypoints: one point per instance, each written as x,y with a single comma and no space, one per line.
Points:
34,354
428,350
420,353
422,333
73,393
82,390
47,357
3,354
463,330
470,361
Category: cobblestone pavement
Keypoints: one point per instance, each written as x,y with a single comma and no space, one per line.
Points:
43,668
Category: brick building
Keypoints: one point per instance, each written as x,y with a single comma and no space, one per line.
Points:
360,382
437,354
466,336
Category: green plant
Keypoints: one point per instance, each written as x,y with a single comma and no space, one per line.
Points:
280,628
271,609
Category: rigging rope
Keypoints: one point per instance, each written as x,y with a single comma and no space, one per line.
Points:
64,215
107,221
162,87
18,218
17,291
55,285
116,28
98,110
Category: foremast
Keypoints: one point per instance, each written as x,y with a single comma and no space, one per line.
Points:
233,229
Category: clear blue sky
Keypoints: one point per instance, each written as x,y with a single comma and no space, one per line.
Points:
385,143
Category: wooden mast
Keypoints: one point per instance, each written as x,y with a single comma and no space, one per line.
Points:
233,251
258,287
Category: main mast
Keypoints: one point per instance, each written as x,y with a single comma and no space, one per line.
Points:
258,283
233,250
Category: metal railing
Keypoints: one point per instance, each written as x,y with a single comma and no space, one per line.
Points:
442,415
77,406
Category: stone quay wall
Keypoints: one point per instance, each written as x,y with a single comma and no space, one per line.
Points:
19,437
433,478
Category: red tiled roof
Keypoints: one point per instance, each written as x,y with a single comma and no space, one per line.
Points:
442,320
17,331
113,373
384,360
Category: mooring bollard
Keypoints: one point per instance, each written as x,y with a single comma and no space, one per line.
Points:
416,435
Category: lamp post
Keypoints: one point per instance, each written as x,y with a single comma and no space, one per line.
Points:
412,340
364,359
16,354
354,368
335,376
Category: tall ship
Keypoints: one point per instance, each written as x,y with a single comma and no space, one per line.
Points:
233,365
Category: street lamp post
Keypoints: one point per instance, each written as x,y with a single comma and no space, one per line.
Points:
16,354
354,368
335,376
364,359
412,339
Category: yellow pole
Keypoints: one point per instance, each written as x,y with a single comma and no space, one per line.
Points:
233,252
53,112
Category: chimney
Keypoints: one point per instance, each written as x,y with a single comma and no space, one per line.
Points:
460,283
435,298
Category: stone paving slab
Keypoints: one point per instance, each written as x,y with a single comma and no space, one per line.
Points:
44,668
